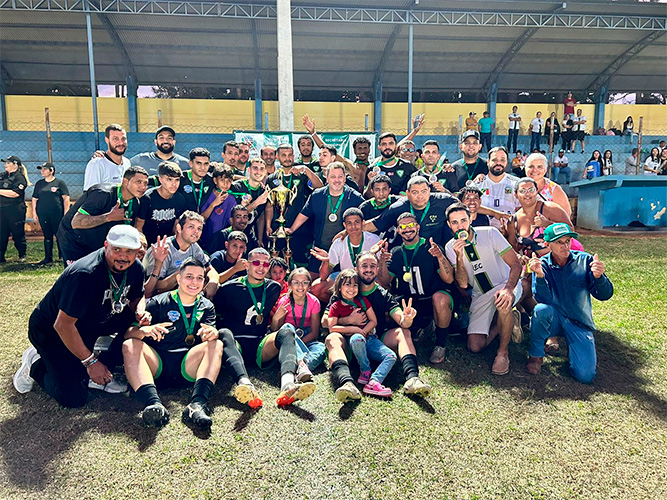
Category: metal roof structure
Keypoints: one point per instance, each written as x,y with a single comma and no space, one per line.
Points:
535,46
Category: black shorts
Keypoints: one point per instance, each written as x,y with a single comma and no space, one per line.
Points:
424,307
578,136
171,368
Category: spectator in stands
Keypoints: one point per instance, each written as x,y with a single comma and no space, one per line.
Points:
579,130
536,169
536,126
663,162
110,167
486,127
513,129
662,145
593,166
471,122
50,201
165,140
568,125
569,104
547,130
631,162
628,126
517,165
652,163
607,163
561,166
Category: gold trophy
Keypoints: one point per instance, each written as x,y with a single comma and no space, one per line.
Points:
281,197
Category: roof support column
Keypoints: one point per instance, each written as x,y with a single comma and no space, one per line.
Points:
285,67
3,107
93,85
492,100
132,103
410,64
258,104
377,107
600,101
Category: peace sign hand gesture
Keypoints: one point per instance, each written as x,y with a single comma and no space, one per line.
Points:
409,313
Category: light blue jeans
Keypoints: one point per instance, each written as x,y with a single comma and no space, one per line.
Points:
547,322
371,347
312,353
556,171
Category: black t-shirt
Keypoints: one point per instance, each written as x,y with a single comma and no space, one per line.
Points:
160,214
424,271
433,223
17,182
370,209
480,220
399,174
466,172
164,308
97,200
218,239
192,192
220,263
50,196
84,291
447,179
303,191
235,309
238,190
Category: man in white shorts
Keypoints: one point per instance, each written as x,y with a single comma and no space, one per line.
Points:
485,261
497,186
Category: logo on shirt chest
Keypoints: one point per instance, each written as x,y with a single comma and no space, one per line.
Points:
164,214
54,189
173,316
187,188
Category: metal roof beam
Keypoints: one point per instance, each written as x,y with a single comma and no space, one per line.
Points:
342,14
602,80
129,67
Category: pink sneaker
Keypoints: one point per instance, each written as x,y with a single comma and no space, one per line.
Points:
377,389
364,377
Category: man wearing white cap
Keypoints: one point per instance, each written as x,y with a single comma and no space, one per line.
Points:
96,296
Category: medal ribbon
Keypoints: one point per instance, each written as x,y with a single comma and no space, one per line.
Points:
303,312
428,205
334,209
259,311
201,189
117,291
378,206
355,305
408,268
382,163
473,169
130,206
353,254
189,325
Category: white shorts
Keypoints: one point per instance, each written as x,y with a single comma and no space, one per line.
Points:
483,309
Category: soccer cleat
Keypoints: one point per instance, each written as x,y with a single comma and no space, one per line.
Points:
247,394
197,415
295,392
23,382
417,387
347,392
112,387
438,355
155,415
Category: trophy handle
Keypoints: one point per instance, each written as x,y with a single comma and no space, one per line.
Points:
293,194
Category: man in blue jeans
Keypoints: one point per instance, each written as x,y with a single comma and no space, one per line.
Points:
563,282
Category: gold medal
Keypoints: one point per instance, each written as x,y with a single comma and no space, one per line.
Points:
463,235
407,277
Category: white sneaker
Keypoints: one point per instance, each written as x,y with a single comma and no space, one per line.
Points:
23,382
303,373
113,387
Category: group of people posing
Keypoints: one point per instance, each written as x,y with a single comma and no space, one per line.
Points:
180,278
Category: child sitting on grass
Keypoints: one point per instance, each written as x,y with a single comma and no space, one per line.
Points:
363,340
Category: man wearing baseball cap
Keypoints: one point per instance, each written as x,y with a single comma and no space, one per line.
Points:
563,282
13,182
96,296
471,165
165,140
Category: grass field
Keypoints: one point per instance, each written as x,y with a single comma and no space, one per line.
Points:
477,436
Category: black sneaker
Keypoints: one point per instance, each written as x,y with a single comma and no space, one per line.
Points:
197,415
155,415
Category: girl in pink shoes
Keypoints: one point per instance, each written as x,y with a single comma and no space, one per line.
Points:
364,343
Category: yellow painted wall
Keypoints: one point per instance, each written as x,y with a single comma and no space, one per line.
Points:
74,114
224,116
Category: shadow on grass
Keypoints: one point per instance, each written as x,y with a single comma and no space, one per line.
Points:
618,372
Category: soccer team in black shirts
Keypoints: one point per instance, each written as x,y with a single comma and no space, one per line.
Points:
179,336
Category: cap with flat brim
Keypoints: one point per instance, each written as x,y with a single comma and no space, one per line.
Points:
124,236
557,231
165,128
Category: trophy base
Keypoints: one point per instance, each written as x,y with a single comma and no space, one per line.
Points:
285,252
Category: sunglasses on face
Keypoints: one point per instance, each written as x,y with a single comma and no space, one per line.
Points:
527,191
408,150
258,263
409,225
